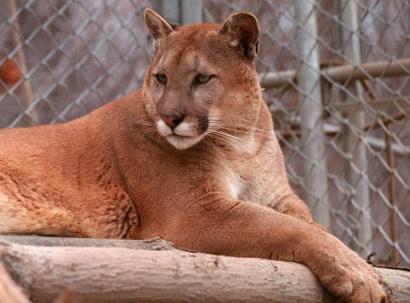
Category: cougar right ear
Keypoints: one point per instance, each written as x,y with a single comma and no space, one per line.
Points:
242,29
157,26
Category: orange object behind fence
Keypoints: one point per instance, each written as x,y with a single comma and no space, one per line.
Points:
9,72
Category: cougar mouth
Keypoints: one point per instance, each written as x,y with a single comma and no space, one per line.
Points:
182,136
183,142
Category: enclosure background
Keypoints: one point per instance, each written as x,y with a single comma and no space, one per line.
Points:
75,56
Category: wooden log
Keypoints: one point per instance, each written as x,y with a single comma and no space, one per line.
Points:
9,291
149,244
106,274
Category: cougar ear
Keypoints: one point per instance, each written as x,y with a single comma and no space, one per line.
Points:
242,30
157,26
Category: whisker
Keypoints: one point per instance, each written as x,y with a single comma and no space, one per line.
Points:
228,136
233,124
219,139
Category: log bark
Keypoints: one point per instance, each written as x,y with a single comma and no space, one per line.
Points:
149,244
115,274
9,291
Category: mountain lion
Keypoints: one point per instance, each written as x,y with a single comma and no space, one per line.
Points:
192,157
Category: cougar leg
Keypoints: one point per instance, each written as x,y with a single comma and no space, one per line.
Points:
23,217
238,228
290,204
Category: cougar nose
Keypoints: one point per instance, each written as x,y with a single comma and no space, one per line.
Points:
172,119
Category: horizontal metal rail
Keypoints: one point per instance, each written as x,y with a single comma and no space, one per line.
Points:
400,102
343,73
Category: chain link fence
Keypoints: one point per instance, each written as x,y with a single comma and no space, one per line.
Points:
335,76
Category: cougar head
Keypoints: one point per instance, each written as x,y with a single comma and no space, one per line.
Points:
202,79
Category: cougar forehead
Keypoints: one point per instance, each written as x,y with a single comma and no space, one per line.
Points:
195,46
184,59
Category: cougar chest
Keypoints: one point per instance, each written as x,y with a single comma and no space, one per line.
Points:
234,184
250,180
240,182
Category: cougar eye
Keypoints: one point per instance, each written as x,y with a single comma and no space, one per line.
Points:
202,79
161,78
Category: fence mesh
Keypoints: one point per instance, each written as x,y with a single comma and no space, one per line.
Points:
335,76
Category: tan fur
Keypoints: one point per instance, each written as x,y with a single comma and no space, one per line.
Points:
119,172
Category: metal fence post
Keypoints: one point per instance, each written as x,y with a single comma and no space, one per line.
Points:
315,178
358,209
169,9
180,11
191,11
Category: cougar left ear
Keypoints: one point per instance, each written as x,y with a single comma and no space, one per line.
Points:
242,30
158,27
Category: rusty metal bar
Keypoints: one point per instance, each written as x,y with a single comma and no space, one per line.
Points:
394,254
21,60
343,73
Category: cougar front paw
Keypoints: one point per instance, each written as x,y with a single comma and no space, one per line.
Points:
348,276
367,284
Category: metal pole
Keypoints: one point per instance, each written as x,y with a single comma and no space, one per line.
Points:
315,169
169,9
180,11
191,11
358,210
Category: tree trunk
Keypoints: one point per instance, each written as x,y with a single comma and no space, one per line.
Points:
115,274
